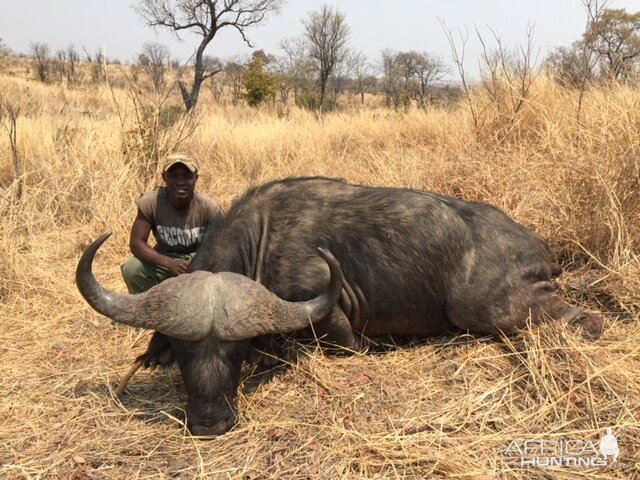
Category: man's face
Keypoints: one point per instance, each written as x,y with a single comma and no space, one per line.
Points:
180,183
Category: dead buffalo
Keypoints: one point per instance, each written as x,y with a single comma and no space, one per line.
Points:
413,263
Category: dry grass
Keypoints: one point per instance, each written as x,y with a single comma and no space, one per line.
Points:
447,408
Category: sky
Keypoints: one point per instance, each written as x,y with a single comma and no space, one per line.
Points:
398,25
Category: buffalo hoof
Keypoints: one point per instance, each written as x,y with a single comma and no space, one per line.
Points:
591,325
212,431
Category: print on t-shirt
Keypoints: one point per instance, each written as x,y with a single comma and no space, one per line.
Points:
174,236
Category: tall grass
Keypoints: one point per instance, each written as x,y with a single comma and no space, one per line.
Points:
435,410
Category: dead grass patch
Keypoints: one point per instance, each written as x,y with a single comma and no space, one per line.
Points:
447,408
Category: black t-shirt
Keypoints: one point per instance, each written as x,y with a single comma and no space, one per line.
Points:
177,231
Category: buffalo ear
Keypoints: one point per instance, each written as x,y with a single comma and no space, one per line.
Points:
244,298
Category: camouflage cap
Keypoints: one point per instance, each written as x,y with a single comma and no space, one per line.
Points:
182,158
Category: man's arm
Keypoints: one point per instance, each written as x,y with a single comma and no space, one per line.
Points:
138,239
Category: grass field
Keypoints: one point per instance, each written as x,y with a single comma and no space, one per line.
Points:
448,408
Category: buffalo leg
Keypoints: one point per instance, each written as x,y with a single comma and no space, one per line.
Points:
265,351
590,323
537,302
542,303
159,352
336,331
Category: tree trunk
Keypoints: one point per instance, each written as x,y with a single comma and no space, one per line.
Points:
190,99
185,94
323,86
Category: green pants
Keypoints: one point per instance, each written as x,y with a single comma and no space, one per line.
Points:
141,276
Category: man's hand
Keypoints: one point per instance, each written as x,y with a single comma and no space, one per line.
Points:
138,243
177,267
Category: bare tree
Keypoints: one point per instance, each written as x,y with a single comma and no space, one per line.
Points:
205,18
594,10
87,55
506,79
4,50
457,55
9,120
98,63
59,64
99,67
576,66
343,72
565,64
42,57
363,77
327,32
282,80
411,76
71,70
406,63
154,60
295,67
212,63
216,85
428,71
233,71
507,76
391,77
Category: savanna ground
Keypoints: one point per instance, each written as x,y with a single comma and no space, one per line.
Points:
447,408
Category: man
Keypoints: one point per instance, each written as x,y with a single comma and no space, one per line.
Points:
178,217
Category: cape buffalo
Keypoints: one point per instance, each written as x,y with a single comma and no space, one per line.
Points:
413,263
